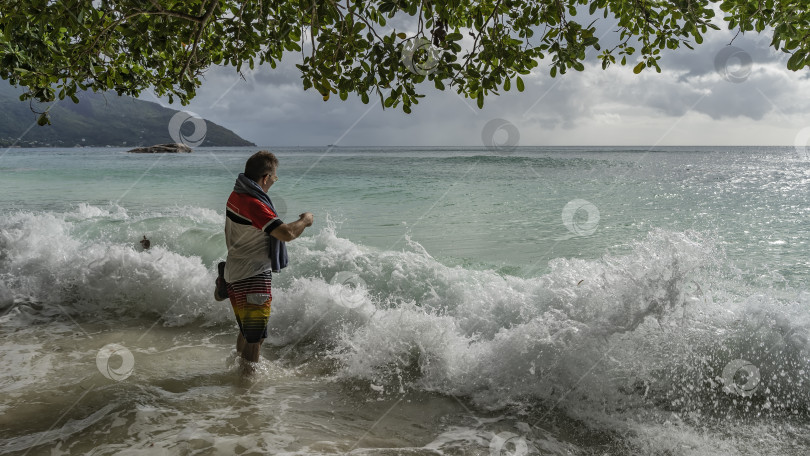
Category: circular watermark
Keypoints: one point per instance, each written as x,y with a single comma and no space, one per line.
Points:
741,377
508,444
420,56
105,366
348,293
577,226
733,64
492,135
801,141
176,126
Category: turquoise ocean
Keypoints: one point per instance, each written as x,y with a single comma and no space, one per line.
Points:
447,301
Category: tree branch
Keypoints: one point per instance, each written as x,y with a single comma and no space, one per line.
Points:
164,12
208,14
477,37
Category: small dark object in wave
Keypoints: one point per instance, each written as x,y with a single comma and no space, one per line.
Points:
580,282
145,243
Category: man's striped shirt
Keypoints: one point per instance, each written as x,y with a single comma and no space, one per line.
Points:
247,231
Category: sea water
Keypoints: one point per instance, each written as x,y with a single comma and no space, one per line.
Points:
585,301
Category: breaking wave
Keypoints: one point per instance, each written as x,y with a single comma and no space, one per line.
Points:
659,323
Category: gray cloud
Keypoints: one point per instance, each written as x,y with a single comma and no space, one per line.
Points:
270,106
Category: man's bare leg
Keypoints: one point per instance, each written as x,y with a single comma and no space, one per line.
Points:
240,343
250,351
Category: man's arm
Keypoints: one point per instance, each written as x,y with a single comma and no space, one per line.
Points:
289,231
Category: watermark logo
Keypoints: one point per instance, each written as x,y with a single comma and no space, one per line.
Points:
420,56
492,135
508,444
733,64
350,292
574,223
106,366
800,143
741,377
176,126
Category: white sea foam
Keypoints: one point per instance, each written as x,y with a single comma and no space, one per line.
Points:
586,332
45,261
6,297
582,334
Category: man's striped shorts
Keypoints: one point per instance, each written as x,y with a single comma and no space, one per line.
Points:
250,299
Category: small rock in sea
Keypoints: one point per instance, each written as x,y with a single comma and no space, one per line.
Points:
175,148
145,243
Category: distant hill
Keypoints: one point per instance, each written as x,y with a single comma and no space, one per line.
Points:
99,119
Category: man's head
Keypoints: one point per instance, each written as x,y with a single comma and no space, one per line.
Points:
261,168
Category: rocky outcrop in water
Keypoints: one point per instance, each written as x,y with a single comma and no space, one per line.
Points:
175,148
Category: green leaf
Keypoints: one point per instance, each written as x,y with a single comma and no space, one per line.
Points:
118,47
796,61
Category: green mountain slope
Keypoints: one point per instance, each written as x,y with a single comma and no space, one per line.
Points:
99,119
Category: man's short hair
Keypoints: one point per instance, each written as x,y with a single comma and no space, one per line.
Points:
260,164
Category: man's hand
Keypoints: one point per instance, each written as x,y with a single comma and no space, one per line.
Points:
290,231
307,218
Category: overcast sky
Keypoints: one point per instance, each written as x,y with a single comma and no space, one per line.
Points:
689,103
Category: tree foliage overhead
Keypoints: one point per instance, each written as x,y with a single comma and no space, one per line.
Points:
477,48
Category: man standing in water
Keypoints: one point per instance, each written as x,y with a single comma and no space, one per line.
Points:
255,237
